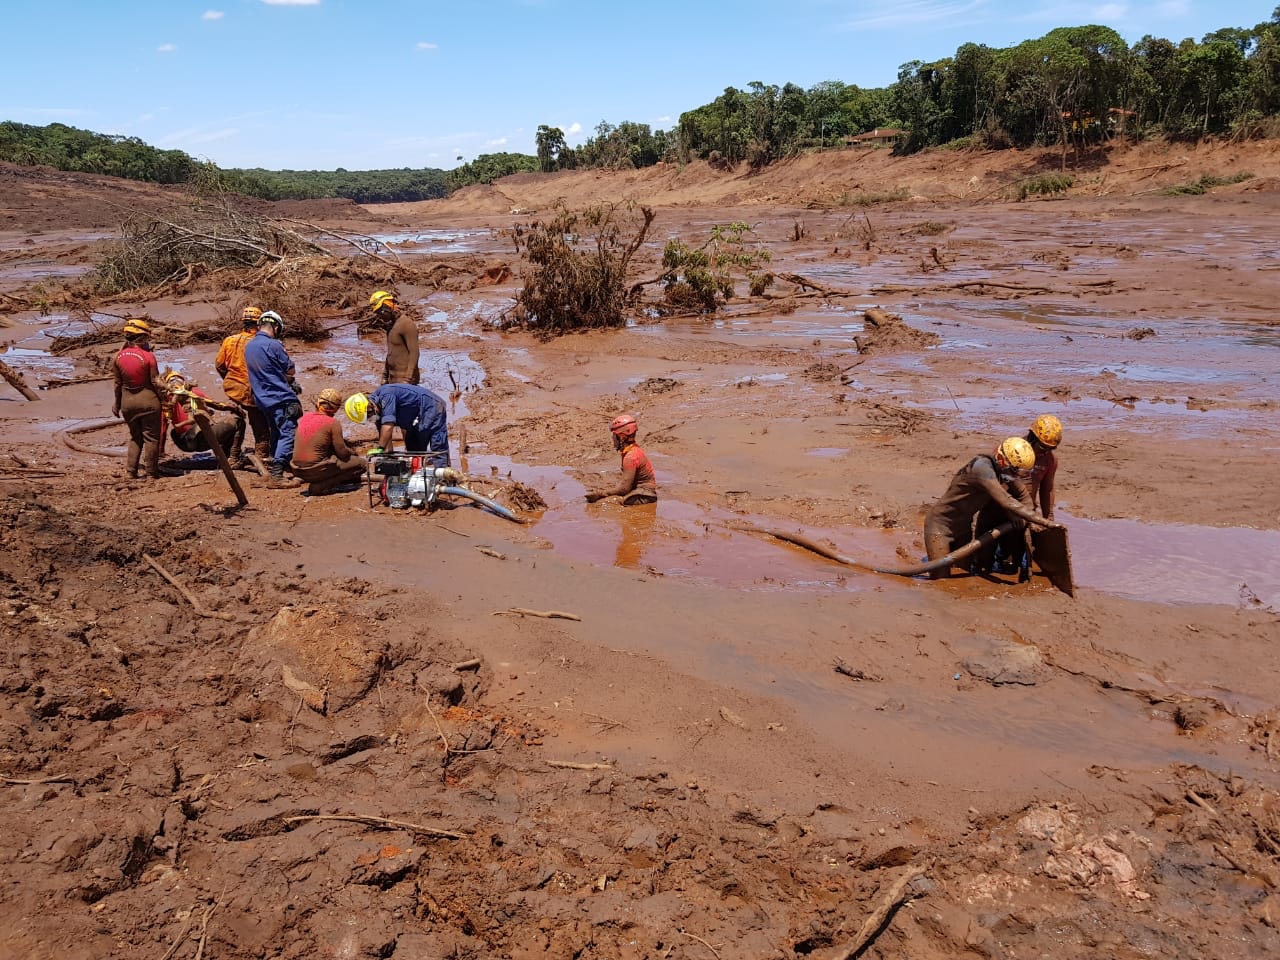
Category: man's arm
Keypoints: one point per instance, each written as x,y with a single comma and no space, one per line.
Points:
411,350
119,385
340,448
1046,489
628,484
220,361
1015,508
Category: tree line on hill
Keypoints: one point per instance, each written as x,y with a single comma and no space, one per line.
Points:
1073,85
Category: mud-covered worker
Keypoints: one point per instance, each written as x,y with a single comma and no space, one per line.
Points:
138,397
419,413
402,339
987,490
184,399
274,390
1044,437
321,457
638,484
235,381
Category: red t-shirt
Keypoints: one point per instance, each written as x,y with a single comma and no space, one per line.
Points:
136,368
633,458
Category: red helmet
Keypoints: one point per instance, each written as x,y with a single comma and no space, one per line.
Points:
624,426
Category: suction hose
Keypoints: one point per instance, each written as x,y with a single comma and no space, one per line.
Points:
927,567
497,508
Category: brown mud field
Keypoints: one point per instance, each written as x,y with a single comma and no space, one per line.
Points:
331,734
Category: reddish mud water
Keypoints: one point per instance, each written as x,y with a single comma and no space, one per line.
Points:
1006,771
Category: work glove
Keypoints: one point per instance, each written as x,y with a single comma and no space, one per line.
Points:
295,387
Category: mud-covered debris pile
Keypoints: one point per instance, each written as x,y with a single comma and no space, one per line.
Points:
883,332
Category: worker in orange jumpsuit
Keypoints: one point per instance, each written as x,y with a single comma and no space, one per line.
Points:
638,485
235,382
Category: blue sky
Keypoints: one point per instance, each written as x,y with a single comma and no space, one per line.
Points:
362,84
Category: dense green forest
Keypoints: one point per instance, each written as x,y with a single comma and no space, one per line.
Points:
1073,85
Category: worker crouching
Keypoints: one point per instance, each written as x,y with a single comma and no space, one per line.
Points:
638,484
321,457
985,492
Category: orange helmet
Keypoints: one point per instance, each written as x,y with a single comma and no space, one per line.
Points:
250,315
624,426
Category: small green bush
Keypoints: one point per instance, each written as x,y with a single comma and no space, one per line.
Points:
1045,185
1206,183
871,199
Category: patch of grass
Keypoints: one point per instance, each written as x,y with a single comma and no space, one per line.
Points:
871,199
1205,184
1045,185
960,143
929,228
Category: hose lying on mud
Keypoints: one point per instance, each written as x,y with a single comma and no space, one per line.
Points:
497,508
988,538
90,426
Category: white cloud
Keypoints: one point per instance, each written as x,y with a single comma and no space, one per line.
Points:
212,15
914,12
166,48
499,142
573,129
292,3
424,45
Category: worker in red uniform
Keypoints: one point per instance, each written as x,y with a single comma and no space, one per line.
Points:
235,381
138,393
321,457
638,485
184,399
1044,437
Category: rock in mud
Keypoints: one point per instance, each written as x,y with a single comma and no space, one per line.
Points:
1001,662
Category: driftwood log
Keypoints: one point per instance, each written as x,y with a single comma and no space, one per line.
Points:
15,380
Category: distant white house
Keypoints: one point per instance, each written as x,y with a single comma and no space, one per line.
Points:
880,136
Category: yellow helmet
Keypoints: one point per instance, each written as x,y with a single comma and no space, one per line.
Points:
329,398
1048,430
380,299
250,315
174,375
357,407
134,326
1015,454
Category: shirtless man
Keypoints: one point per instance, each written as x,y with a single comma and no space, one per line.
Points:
402,340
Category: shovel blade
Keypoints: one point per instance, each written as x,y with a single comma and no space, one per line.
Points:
1052,552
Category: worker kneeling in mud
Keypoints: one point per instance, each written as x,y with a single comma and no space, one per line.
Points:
418,413
987,491
639,485
321,457
184,400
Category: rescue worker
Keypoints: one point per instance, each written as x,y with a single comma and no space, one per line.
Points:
638,485
321,456
985,492
185,399
402,339
419,413
235,382
1044,437
138,397
275,392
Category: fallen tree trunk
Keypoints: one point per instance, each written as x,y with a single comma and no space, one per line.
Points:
16,381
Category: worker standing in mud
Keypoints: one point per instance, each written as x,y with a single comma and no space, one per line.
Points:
321,457
184,400
419,413
275,392
1044,437
638,484
235,382
987,490
402,340
139,396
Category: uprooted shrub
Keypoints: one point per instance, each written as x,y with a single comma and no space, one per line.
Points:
701,278
1045,185
579,262
155,250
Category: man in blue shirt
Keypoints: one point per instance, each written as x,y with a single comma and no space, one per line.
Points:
417,411
274,390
